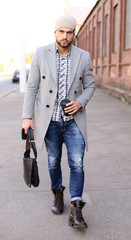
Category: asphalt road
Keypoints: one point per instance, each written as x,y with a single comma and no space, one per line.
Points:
25,214
6,85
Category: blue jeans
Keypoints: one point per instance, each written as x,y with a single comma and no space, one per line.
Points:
68,133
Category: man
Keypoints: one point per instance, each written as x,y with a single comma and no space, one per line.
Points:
61,71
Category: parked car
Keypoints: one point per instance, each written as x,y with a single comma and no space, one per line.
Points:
16,76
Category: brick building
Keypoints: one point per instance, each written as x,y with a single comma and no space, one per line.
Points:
106,34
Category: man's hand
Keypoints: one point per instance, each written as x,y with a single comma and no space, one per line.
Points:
27,123
72,107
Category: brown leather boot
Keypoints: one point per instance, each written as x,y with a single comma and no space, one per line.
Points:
76,219
58,207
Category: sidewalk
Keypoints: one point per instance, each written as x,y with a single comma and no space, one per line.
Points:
25,214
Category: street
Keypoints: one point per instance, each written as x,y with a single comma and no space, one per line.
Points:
25,214
6,84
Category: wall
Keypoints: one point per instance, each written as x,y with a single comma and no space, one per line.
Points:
103,34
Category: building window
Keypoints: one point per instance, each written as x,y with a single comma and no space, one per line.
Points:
90,44
115,27
94,42
106,35
85,39
128,25
99,39
88,41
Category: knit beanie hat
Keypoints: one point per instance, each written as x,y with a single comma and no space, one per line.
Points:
65,21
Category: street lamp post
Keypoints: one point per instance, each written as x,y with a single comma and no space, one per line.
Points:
22,67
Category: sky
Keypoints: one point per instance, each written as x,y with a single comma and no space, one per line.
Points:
32,20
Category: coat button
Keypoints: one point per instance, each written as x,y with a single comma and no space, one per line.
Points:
47,106
75,92
80,78
43,77
50,91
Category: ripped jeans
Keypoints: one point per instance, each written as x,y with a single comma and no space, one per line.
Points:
68,133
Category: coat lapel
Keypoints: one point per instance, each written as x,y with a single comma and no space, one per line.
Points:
51,59
74,60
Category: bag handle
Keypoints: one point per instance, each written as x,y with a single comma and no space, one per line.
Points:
30,143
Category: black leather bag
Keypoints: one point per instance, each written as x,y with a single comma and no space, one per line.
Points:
30,167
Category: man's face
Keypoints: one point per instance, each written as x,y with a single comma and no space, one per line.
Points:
64,37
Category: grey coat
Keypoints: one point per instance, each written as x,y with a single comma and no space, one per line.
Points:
41,89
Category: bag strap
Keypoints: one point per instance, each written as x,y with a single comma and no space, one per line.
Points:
30,142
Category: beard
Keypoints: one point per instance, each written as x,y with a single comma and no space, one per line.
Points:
63,44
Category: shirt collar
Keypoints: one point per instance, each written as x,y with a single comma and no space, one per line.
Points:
57,50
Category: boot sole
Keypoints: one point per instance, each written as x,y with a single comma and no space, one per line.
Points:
76,226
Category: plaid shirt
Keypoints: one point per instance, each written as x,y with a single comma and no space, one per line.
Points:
58,113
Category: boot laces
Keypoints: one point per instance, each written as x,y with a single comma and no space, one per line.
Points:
58,197
79,214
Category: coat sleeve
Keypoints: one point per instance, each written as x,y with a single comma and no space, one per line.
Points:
31,88
88,83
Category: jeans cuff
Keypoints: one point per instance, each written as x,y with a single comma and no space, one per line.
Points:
77,198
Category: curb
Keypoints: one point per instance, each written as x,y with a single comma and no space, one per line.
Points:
123,95
9,92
